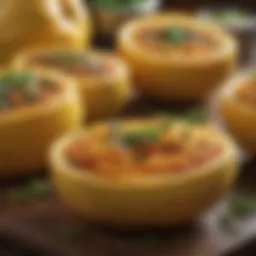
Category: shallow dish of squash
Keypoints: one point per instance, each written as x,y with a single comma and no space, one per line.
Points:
36,107
139,173
103,78
175,57
236,106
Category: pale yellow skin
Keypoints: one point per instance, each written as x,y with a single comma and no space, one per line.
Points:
27,133
145,201
237,116
176,78
103,95
27,24
106,96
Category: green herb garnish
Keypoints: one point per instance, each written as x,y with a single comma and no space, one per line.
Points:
3,104
116,4
17,79
29,192
227,223
150,241
238,208
68,58
176,35
73,233
197,115
75,59
231,16
242,206
139,137
22,81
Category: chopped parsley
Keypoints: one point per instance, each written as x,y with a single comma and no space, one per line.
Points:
19,81
242,206
196,115
75,59
116,4
140,136
21,87
67,58
176,35
73,233
32,191
239,207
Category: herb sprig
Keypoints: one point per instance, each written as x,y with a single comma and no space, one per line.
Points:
176,35
141,136
22,81
75,59
73,233
116,4
68,58
239,207
32,191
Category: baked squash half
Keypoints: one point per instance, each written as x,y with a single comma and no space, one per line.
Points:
143,172
174,57
102,77
237,109
36,107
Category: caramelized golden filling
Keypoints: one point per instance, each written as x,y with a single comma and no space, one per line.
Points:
177,40
246,91
115,153
77,63
20,89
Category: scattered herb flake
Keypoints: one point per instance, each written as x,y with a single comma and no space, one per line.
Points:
30,192
68,58
227,223
73,233
136,138
242,206
149,240
197,115
3,104
17,79
239,207
176,35
116,4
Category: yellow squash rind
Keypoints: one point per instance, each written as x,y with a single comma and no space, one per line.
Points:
238,117
103,95
142,202
170,79
27,134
